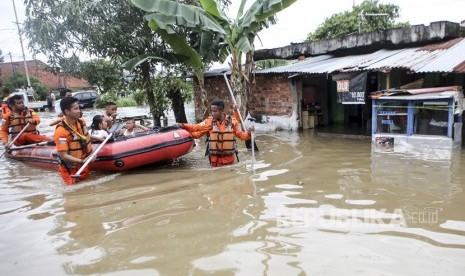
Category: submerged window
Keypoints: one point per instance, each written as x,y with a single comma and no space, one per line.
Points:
431,118
392,117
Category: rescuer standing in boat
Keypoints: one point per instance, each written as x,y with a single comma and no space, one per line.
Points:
222,130
16,119
72,141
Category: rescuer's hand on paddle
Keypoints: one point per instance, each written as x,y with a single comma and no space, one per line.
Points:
91,157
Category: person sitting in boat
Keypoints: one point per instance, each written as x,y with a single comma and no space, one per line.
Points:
98,129
221,130
110,114
6,97
16,119
72,141
132,129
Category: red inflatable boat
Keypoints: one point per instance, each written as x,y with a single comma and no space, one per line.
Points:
161,145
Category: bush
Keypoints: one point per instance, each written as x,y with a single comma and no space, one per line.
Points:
107,97
126,102
139,96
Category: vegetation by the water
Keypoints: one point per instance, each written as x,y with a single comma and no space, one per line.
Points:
40,91
368,16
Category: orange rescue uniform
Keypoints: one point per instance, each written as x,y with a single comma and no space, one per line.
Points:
221,138
75,140
5,106
13,123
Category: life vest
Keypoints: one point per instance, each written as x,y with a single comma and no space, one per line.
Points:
222,142
78,147
19,121
5,106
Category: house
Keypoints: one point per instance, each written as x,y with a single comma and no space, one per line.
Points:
44,73
332,83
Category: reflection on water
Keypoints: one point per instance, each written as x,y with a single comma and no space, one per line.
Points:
318,206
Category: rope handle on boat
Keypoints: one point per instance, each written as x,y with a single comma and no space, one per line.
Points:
91,157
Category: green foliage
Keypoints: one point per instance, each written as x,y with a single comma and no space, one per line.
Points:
71,66
107,97
139,96
121,102
101,28
270,63
2,58
19,80
216,34
347,22
101,73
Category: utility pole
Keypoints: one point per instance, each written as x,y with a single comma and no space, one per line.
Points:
14,72
22,48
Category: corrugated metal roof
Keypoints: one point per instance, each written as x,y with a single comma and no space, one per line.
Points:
447,60
438,57
442,45
460,68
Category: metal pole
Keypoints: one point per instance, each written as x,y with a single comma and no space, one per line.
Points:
22,48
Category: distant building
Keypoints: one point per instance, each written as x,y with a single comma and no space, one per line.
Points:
331,80
45,74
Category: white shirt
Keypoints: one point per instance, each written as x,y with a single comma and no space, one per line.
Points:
57,107
99,133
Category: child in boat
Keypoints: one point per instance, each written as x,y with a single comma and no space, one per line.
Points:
98,131
132,128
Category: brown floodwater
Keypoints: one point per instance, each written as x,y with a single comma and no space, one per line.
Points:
310,206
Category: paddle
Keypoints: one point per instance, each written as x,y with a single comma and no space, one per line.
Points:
33,145
252,121
16,138
248,143
91,157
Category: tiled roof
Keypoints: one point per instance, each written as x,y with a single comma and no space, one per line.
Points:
43,73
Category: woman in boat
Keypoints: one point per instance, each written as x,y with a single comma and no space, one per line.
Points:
221,130
98,129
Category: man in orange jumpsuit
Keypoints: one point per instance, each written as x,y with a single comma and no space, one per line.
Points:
222,130
6,97
72,141
16,119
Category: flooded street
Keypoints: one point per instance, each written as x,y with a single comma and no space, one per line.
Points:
310,206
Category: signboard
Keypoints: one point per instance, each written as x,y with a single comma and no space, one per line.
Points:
351,88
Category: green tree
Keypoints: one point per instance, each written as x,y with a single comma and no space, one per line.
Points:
362,16
101,73
218,35
70,65
41,91
101,28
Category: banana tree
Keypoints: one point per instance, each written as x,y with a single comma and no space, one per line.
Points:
217,31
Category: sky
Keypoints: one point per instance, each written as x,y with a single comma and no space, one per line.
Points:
294,23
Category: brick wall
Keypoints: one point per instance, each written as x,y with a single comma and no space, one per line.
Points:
271,95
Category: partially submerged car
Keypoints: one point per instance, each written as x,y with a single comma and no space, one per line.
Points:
86,98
